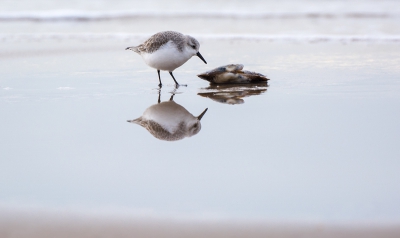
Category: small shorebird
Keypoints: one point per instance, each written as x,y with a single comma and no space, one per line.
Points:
167,51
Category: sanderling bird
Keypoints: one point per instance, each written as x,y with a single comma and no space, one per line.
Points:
167,51
169,121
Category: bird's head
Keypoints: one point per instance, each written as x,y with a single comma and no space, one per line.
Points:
193,46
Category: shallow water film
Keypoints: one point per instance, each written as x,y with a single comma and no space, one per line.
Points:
320,141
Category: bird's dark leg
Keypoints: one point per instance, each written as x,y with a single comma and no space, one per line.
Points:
159,78
172,97
176,83
159,95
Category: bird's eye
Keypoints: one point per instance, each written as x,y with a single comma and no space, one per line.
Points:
193,46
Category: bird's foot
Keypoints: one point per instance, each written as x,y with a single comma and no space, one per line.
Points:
178,85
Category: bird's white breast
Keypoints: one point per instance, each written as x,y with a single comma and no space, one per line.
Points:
167,57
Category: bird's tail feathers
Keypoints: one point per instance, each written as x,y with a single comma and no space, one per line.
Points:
134,48
138,121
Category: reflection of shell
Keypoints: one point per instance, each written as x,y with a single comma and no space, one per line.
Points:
232,73
232,94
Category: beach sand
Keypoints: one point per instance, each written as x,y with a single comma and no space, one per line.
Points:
74,225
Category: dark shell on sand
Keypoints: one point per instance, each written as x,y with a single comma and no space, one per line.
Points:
232,73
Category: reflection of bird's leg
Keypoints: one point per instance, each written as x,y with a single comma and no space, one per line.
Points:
173,93
176,83
159,96
159,78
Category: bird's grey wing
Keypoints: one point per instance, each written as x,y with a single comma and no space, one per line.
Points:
159,39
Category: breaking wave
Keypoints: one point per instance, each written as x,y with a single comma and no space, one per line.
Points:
248,37
50,16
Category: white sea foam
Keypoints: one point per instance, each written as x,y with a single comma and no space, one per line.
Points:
58,15
230,37
64,88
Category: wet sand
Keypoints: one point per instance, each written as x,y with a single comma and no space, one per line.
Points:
66,103
74,225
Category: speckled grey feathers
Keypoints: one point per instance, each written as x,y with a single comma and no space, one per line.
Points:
161,38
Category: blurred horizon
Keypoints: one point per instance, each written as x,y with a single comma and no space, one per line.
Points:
369,20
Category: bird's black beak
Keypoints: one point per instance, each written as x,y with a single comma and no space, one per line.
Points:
202,114
201,57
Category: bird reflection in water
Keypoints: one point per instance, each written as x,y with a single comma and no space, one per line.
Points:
169,121
232,93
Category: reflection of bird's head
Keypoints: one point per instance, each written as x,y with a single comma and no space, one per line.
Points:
169,121
194,126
